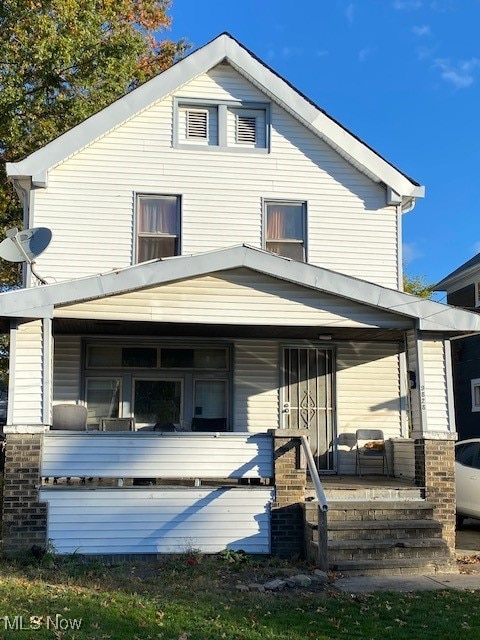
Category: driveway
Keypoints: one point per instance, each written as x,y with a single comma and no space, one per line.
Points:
468,538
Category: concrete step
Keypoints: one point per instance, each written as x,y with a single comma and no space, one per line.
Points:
409,566
382,529
398,549
370,537
378,510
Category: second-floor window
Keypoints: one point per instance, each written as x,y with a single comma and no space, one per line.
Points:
158,227
285,229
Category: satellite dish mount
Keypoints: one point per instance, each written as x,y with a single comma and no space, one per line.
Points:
25,246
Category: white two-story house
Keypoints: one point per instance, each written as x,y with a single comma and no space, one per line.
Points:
225,262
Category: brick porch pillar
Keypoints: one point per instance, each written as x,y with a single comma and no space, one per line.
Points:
287,519
24,517
435,470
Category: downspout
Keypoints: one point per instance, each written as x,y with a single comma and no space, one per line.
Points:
404,207
26,271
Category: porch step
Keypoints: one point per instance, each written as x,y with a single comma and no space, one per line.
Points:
372,510
374,549
380,529
409,566
368,537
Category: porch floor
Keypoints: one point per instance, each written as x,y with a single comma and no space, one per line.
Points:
367,487
365,481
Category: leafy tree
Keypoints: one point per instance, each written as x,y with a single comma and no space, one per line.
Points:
417,285
60,62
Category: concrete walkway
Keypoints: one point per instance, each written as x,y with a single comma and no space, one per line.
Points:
437,582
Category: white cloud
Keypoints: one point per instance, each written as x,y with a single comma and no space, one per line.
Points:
442,5
285,52
411,252
460,75
423,30
408,5
349,13
320,53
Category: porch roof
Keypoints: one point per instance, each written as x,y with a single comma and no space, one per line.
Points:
41,301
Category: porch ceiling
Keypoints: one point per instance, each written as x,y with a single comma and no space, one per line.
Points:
74,326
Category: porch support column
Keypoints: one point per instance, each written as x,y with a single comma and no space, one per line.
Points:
24,517
433,425
287,535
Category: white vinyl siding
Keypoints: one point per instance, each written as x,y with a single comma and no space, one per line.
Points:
404,458
89,201
236,297
435,382
144,455
26,388
368,395
66,369
256,380
158,520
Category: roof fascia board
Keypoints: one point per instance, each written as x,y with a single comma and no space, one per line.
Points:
325,126
459,279
430,315
39,162
196,63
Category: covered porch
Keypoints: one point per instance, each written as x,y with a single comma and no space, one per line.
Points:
234,342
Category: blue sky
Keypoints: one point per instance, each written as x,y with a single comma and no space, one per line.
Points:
404,75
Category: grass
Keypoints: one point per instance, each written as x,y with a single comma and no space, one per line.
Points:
192,597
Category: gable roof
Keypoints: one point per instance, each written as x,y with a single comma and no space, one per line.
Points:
41,301
467,268
224,47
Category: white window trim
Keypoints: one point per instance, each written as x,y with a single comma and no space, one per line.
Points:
304,203
473,384
136,235
222,105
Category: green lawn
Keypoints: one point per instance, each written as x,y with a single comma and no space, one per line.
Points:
194,598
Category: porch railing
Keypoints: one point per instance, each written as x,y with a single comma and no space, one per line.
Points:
322,506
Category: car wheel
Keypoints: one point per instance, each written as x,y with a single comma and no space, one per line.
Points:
460,520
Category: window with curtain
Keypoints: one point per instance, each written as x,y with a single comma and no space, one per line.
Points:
158,227
285,231
210,399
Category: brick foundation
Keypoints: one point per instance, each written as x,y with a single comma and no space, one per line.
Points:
24,517
435,470
287,520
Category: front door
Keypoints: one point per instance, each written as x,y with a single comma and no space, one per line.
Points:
308,399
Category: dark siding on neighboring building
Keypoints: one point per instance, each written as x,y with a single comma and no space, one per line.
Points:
463,297
466,366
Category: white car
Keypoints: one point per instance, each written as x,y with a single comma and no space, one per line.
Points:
467,479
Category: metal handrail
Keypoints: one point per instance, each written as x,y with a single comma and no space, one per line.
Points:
321,498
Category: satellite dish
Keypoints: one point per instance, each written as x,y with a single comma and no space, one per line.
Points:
25,246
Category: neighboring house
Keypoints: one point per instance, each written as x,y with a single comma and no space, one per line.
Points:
463,290
226,259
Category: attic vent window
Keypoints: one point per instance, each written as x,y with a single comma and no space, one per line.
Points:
246,129
197,124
